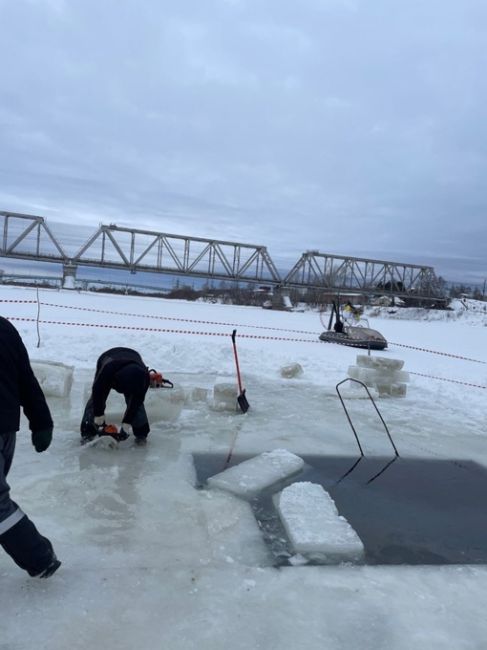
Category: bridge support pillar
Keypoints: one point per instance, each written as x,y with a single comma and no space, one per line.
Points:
69,275
281,299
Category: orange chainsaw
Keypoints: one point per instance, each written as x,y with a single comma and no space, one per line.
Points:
111,430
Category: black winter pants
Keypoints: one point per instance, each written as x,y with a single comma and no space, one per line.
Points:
140,423
18,535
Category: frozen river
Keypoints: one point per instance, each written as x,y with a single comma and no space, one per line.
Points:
154,559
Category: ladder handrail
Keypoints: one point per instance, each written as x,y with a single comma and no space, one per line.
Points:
375,406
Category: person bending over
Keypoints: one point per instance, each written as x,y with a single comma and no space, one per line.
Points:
123,370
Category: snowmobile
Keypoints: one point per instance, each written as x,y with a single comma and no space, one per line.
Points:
354,336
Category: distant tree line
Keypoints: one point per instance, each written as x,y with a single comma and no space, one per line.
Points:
228,292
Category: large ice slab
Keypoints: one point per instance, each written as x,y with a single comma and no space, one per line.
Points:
314,526
234,534
249,478
54,378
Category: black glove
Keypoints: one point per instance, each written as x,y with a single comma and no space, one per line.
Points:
42,439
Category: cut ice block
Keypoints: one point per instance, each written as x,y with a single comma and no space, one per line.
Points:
55,378
373,377
398,390
383,388
249,478
164,403
379,363
384,376
199,394
225,396
314,527
353,390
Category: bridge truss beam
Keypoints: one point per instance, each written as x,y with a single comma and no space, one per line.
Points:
145,250
28,237
334,273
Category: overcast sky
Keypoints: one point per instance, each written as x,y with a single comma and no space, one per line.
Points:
354,127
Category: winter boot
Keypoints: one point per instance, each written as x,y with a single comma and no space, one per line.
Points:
49,570
29,549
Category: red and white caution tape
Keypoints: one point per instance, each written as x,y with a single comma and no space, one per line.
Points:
172,318
24,301
233,325
160,329
453,381
222,334
443,354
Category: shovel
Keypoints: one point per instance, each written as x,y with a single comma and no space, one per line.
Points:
241,399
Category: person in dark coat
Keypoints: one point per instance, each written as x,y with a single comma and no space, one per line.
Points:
338,326
123,370
19,388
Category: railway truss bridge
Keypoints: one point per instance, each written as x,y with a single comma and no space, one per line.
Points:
28,237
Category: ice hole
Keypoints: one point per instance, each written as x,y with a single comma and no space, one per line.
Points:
407,511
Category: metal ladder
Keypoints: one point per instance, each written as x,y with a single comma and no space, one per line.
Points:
357,381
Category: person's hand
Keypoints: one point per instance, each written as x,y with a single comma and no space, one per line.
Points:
42,439
99,423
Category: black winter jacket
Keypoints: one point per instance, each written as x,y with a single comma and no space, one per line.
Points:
18,385
123,370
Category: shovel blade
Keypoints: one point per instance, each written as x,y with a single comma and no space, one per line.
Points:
242,402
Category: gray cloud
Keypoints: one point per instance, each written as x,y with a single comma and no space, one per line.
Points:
342,125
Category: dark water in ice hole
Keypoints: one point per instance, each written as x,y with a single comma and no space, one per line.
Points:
406,511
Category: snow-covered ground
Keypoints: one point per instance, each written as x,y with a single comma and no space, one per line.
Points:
151,561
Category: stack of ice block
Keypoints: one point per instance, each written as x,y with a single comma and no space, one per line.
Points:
383,374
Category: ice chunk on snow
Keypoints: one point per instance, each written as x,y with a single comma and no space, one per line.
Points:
291,370
249,478
379,363
314,527
55,378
